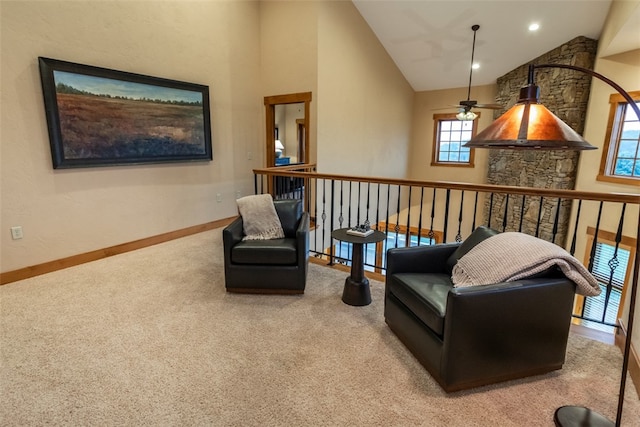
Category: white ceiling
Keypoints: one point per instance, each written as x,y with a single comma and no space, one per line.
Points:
430,41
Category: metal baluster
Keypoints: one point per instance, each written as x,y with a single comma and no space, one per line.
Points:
383,248
504,215
255,183
349,206
341,218
331,215
307,183
420,217
315,215
433,214
407,237
378,209
490,210
522,213
446,214
459,234
539,216
613,263
397,226
592,254
324,219
358,207
386,221
366,221
556,221
475,212
572,250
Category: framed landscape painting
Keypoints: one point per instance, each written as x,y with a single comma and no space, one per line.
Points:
102,117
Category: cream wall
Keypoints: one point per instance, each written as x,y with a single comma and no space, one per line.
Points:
425,106
68,212
364,102
289,56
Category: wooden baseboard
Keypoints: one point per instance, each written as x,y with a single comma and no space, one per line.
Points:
634,360
48,267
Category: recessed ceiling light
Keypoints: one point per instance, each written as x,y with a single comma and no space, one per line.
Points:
534,27
475,66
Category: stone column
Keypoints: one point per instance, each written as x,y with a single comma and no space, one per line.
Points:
566,94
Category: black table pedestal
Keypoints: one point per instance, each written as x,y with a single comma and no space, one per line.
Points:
356,287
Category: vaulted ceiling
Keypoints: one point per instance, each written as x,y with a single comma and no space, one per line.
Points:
430,41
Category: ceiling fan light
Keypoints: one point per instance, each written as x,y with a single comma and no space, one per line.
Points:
466,115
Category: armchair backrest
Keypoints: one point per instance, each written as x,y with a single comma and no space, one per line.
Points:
289,211
478,235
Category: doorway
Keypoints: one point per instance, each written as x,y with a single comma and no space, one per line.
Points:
287,121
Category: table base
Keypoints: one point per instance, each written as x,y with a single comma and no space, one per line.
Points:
356,293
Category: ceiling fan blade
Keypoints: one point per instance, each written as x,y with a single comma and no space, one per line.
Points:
452,106
471,107
489,106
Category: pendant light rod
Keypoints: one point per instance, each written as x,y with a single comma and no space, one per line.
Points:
473,50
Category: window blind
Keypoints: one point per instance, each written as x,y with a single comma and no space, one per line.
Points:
601,268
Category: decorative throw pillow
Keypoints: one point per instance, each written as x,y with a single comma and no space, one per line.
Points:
259,218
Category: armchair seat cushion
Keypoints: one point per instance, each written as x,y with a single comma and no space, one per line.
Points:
425,294
265,252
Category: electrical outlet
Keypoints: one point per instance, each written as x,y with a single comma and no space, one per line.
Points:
16,232
218,197
249,155
238,194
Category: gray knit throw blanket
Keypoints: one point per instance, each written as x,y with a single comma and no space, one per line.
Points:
260,220
510,256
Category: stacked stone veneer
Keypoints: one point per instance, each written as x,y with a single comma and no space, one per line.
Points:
565,93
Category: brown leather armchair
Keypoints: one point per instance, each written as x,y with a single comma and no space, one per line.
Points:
269,266
472,336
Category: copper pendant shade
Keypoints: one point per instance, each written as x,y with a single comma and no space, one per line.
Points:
529,125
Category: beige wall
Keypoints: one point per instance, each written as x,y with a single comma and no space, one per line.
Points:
425,106
289,55
68,212
364,102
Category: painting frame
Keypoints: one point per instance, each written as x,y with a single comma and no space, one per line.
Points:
102,117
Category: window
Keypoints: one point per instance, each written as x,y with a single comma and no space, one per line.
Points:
621,155
449,136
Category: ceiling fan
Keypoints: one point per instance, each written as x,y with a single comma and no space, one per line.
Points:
465,106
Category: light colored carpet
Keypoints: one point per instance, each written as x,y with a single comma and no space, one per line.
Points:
152,338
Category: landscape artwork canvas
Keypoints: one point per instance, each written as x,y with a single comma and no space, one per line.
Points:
101,117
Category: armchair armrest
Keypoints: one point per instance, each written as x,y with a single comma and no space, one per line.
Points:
231,235
419,259
302,237
541,299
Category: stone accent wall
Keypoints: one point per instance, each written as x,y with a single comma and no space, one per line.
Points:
565,93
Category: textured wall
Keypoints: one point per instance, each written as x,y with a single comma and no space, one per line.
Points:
566,94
